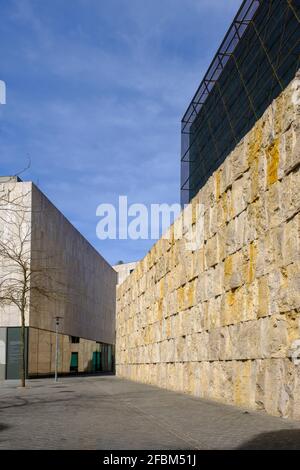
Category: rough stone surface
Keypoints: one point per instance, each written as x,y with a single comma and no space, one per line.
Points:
219,321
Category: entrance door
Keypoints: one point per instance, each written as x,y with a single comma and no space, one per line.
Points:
109,358
74,362
96,361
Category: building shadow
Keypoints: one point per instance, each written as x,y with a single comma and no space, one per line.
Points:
3,427
285,439
70,374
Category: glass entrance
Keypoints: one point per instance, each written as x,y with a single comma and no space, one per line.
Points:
74,362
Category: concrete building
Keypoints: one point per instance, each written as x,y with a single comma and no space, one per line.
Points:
124,270
68,279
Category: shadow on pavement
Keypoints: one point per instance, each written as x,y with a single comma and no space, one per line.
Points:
285,439
3,427
79,375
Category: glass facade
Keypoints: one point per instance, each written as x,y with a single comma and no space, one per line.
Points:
81,356
257,59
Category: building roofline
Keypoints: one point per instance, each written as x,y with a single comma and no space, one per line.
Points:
233,36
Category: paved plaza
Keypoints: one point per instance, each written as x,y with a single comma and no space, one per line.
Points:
105,412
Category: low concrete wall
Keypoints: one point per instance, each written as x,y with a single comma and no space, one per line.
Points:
219,322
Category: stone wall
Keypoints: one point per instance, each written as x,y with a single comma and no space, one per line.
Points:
219,322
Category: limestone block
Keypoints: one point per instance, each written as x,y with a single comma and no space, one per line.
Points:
272,155
275,387
217,181
275,205
213,220
250,340
190,294
197,379
293,326
172,299
192,347
189,353
234,271
250,231
170,350
215,344
274,282
196,314
195,265
217,277
275,341
204,387
221,214
291,241
292,149
291,108
295,403
225,373
239,160
291,194
234,234
188,380
278,113
201,288
261,216
270,251
206,225
186,322
202,346
289,293
244,374
183,272
225,208
211,252
214,312
230,238
208,193
226,175
232,306
240,194
179,348
209,289
263,297
161,268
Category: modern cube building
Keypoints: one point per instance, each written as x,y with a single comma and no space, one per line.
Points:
69,279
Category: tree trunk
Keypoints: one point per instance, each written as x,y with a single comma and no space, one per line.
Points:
23,351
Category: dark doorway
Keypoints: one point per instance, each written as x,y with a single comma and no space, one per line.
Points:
96,361
74,362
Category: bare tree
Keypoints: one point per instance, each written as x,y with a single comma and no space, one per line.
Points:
25,273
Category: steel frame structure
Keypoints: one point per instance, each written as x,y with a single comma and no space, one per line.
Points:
214,92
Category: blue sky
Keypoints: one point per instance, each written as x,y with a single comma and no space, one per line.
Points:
95,93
